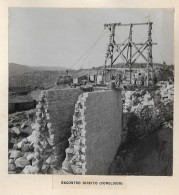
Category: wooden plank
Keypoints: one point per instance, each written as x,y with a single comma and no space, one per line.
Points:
135,44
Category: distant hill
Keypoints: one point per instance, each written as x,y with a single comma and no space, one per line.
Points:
17,69
35,79
25,77
48,68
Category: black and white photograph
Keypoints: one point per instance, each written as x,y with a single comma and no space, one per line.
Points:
91,91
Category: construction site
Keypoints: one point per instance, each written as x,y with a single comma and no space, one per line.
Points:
115,119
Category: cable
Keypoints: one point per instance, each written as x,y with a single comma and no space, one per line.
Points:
89,52
88,49
86,58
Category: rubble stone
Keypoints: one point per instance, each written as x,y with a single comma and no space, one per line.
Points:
30,169
15,147
149,113
77,137
11,161
21,162
23,125
20,144
15,130
15,154
11,167
30,156
45,168
25,148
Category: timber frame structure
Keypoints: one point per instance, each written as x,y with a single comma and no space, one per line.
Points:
130,57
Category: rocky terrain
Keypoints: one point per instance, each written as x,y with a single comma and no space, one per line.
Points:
148,122
147,148
150,155
35,79
21,151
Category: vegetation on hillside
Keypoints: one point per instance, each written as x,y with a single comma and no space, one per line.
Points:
47,79
35,79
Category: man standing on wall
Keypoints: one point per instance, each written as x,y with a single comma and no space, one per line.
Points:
118,80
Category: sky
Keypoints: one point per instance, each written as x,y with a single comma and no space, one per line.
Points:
76,38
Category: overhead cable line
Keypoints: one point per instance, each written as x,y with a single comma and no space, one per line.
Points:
88,49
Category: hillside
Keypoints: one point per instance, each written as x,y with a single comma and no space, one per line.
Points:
34,79
48,68
17,69
45,77
31,77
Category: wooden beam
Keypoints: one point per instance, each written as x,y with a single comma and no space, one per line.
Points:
130,24
119,54
135,44
139,51
135,24
139,54
116,49
112,24
125,68
135,53
120,24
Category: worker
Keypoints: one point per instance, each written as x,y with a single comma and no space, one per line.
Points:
154,79
134,79
140,80
118,80
112,77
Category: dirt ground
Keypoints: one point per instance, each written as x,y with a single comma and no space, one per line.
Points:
150,155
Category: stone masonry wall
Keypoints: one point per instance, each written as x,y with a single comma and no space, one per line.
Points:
96,133
75,162
88,127
146,110
52,127
103,130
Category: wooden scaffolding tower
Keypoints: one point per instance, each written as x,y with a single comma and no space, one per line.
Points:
134,50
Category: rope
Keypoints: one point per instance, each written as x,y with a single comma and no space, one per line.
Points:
86,58
89,49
